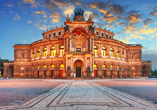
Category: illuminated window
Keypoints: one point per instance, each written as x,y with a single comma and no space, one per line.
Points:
45,52
103,51
95,50
52,66
95,66
103,66
32,67
53,51
118,54
61,66
111,52
38,53
117,67
37,67
123,54
44,66
61,49
33,54
111,66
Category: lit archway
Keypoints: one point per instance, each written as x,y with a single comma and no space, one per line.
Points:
79,68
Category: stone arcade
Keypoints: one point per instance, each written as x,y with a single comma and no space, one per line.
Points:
77,49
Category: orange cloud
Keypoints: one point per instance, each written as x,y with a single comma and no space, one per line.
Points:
150,30
55,15
127,42
110,18
136,36
33,6
103,11
134,19
55,20
17,17
40,26
29,21
29,1
9,5
41,12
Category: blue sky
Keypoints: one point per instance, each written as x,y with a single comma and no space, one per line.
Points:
132,21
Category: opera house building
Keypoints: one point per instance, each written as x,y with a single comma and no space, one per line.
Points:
77,49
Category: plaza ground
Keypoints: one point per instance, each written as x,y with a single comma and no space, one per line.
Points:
21,92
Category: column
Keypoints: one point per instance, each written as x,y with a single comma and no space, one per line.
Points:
35,52
41,52
57,49
115,52
31,54
48,50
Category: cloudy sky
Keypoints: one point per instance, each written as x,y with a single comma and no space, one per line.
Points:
132,21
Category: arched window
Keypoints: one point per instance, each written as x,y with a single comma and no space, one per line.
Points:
53,51
111,52
103,51
95,51
103,66
38,53
52,66
117,67
44,66
33,54
37,67
95,66
61,66
118,54
45,52
111,67
61,50
123,54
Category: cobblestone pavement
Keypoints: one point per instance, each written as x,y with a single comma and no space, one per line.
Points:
20,90
142,88
84,94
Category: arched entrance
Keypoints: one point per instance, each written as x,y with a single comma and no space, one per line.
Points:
78,65
11,71
61,70
144,71
104,71
95,71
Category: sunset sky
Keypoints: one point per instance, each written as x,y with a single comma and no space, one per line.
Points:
132,21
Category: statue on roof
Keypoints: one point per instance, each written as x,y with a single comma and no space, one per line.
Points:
78,14
78,11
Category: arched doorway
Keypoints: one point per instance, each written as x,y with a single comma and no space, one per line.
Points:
95,71
144,71
11,71
104,71
111,71
61,70
133,71
78,65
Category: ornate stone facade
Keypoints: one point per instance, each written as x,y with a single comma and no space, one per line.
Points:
78,50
